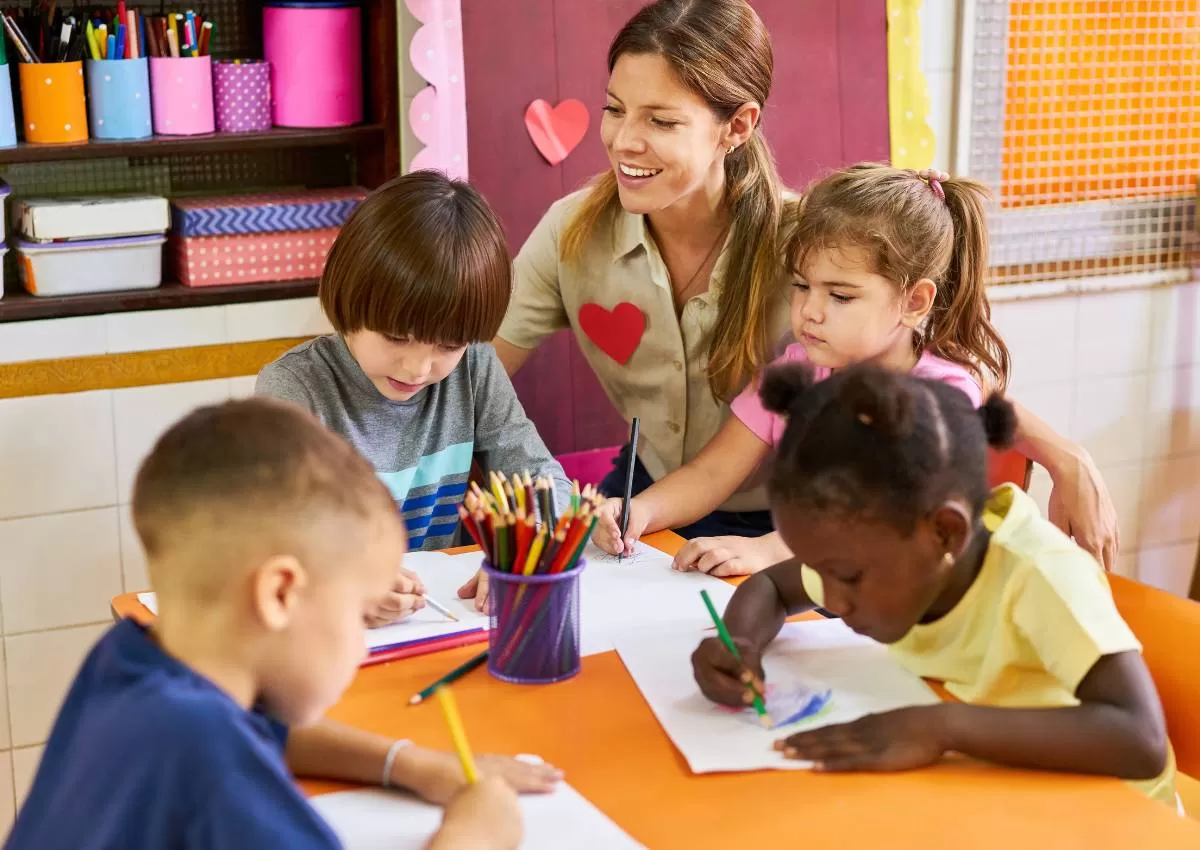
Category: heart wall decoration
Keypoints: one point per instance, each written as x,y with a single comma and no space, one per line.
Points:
557,130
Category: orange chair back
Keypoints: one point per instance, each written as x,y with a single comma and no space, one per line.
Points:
1008,467
1169,628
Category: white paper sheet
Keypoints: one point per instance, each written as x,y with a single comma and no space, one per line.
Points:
638,592
615,597
863,677
380,820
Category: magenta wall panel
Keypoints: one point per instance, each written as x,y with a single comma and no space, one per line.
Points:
828,107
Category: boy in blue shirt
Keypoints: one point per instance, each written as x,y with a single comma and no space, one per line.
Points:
268,540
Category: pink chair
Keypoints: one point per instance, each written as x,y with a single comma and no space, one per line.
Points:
588,467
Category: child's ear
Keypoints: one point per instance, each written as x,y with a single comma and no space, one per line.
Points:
917,302
952,527
741,125
278,583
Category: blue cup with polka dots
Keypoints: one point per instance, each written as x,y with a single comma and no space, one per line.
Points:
119,98
8,117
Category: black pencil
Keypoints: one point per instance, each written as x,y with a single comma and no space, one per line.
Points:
453,676
633,441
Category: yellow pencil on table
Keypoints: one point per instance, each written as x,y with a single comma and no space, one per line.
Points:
457,733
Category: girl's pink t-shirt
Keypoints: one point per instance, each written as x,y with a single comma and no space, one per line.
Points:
768,427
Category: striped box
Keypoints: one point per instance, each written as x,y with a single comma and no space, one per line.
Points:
274,212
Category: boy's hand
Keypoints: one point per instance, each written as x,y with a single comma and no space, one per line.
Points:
406,597
437,777
723,556
724,679
608,529
483,815
476,587
894,740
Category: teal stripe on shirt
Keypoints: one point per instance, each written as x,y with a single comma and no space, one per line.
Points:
432,468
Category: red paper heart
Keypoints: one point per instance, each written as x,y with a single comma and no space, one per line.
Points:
556,131
616,332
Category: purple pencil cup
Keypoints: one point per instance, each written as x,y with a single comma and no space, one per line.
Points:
534,636
242,96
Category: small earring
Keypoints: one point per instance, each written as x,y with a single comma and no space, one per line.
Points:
948,560
732,148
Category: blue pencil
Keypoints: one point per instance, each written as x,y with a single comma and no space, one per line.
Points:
120,43
112,47
142,35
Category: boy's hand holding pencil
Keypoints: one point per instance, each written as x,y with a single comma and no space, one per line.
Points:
723,677
406,597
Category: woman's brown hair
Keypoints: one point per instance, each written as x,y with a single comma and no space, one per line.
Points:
910,232
423,257
721,51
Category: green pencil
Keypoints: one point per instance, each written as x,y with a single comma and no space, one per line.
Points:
451,677
759,706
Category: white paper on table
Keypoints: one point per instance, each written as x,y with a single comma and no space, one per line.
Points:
382,820
640,591
862,675
442,575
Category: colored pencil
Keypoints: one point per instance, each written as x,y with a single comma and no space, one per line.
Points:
759,705
440,608
450,678
457,733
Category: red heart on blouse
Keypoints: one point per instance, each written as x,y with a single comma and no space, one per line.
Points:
616,332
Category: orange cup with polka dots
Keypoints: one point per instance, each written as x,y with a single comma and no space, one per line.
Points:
52,101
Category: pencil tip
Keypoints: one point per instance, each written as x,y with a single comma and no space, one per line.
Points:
415,699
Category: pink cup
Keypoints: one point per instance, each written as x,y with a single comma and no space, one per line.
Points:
315,55
181,95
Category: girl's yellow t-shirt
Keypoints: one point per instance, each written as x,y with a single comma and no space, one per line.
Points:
1038,617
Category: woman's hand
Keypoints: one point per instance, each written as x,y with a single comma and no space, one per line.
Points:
406,597
903,739
1081,506
730,556
608,529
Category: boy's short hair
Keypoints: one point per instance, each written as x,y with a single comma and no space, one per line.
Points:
248,479
423,257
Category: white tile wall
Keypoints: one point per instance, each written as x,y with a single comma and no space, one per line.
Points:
1109,417
155,329
242,387
1125,485
81,336
1168,567
41,666
1115,332
1173,412
24,768
142,414
133,560
1175,333
59,569
1171,512
1041,337
7,803
56,454
275,320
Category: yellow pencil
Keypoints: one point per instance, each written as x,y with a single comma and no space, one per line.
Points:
457,733
535,552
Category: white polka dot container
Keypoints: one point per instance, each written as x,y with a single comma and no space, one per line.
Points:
118,98
8,120
242,94
181,95
52,102
315,53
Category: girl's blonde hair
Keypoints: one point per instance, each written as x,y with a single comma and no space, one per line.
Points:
721,51
911,233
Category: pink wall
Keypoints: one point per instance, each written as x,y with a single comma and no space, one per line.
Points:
829,107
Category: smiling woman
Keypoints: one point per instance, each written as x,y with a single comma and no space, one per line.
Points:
681,232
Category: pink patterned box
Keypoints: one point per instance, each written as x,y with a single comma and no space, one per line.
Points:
252,258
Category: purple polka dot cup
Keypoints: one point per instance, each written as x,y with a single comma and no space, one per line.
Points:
242,95
181,95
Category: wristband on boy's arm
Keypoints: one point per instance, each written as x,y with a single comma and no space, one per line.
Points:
390,761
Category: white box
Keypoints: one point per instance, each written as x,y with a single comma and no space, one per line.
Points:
52,219
102,265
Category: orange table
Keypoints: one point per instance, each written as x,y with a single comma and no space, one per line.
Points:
600,731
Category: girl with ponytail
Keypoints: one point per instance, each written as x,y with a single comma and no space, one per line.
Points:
880,489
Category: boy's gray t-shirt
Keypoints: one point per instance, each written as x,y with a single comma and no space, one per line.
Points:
421,448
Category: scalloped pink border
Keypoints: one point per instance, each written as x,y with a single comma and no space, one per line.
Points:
438,114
